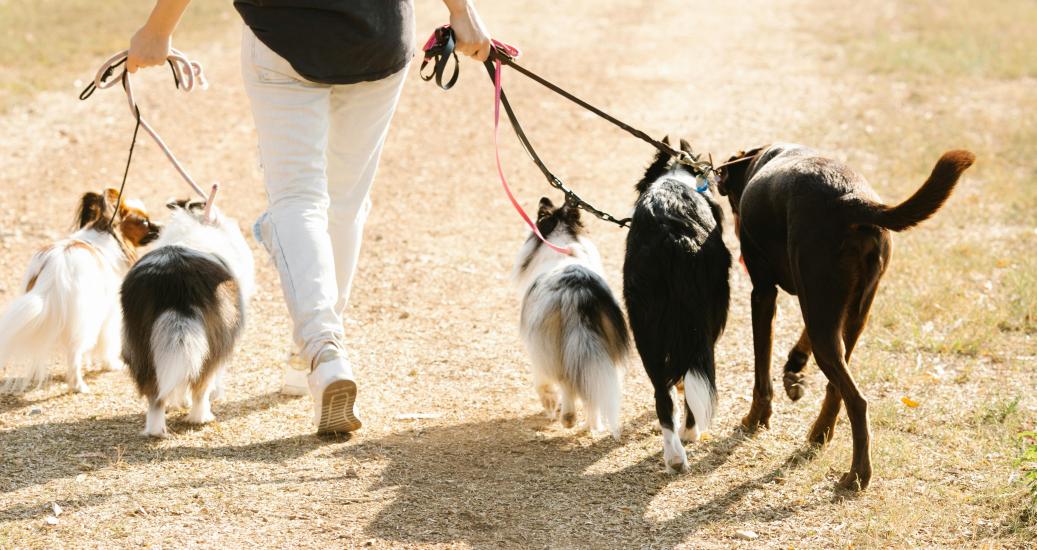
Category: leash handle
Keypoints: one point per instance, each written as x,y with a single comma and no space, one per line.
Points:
187,74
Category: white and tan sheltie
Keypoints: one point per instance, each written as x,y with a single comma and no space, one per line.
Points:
70,297
184,309
571,323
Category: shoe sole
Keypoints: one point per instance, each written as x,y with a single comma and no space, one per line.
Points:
336,408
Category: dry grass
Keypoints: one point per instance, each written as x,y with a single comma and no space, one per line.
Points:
432,323
52,44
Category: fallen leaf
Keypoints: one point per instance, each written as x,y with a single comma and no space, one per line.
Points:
418,416
746,535
56,508
910,403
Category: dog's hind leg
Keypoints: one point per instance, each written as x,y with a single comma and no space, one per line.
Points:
763,299
201,408
793,379
109,343
824,308
568,409
547,390
674,456
155,424
74,375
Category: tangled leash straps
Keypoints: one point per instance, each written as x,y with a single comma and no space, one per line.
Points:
439,49
186,75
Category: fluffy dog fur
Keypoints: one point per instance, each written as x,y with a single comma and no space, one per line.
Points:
70,294
815,228
184,305
571,324
675,283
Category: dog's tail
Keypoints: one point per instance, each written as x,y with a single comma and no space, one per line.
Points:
180,346
925,202
18,327
595,341
700,392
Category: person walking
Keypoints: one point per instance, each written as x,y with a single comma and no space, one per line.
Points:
323,78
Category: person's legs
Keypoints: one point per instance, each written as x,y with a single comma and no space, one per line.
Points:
360,117
292,122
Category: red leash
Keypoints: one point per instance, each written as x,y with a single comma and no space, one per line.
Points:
511,52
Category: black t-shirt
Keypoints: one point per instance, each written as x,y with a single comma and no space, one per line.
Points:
335,41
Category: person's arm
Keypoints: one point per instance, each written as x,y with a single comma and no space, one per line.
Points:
150,45
469,31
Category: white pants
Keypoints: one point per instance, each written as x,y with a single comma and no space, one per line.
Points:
319,146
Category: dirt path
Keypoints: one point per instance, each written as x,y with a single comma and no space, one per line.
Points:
432,325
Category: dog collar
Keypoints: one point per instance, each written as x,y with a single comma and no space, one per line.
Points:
701,185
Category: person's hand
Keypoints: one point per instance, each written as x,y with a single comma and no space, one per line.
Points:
469,31
148,48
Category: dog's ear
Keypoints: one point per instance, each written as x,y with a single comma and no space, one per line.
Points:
685,146
571,214
111,196
731,175
546,208
92,207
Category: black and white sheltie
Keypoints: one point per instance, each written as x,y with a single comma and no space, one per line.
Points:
572,325
184,309
675,283
70,297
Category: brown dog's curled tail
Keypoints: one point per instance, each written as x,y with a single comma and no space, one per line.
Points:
926,201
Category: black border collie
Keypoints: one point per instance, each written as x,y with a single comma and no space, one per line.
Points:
675,283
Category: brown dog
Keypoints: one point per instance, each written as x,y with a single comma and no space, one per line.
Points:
815,228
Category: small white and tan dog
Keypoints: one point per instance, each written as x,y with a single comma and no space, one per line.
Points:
70,297
571,323
184,305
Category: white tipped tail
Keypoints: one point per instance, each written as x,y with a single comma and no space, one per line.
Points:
18,328
701,397
588,365
180,346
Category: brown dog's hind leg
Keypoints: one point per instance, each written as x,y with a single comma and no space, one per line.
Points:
793,379
824,314
763,300
824,427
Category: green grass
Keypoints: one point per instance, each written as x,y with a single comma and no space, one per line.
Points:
49,44
951,37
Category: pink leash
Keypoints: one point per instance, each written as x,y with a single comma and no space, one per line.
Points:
187,74
512,52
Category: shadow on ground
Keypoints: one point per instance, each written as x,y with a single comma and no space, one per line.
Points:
67,449
486,484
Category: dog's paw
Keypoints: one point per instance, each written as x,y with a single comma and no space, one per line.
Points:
689,435
853,481
674,456
79,387
795,386
569,420
202,418
759,417
157,434
114,365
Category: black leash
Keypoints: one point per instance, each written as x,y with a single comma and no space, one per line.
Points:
89,91
440,49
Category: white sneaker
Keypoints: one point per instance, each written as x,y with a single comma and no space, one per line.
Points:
334,394
294,376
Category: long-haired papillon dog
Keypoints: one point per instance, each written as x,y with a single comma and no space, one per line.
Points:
571,323
70,297
184,309
675,283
